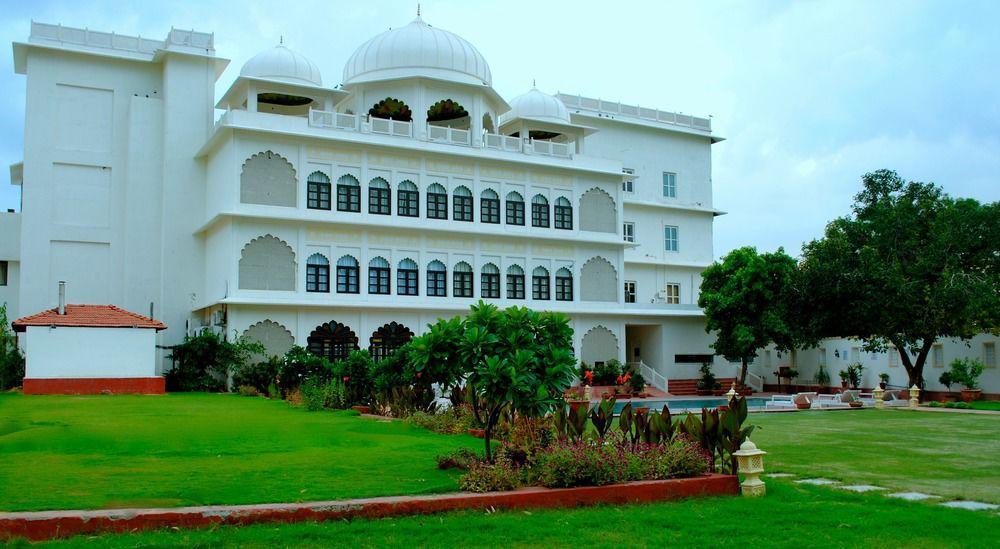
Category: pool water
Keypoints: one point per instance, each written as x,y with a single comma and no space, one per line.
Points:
678,405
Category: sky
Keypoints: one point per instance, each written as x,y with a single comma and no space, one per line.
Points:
809,95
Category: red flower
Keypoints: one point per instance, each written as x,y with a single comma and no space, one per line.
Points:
346,379
418,374
589,376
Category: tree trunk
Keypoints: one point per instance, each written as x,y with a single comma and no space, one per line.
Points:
491,421
743,373
915,370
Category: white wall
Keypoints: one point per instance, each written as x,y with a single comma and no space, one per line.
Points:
68,352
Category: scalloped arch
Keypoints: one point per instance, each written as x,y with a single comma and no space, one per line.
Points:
267,263
268,178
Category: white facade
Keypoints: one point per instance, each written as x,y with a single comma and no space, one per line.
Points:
134,197
86,352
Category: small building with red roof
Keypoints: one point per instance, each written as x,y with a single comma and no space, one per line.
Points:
89,349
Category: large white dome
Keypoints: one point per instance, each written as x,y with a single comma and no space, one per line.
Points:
282,64
418,49
537,105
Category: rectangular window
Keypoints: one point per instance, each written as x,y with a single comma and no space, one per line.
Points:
628,231
490,210
378,280
348,198
3,273
378,202
437,206
767,359
669,184
564,217
462,284
670,238
515,212
515,286
628,184
491,285
436,284
318,278
540,287
822,356
318,197
347,280
463,208
937,356
406,282
990,354
629,291
564,288
540,215
672,293
408,204
893,356
855,355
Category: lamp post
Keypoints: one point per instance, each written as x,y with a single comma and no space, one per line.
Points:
750,460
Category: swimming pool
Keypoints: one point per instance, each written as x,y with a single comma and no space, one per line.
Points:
678,405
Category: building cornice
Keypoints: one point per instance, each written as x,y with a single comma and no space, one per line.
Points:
671,206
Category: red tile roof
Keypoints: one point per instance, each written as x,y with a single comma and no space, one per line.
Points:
88,316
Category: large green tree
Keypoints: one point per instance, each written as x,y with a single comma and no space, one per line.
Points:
746,299
909,266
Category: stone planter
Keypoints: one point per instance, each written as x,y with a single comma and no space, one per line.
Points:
968,395
803,405
855,404
574,405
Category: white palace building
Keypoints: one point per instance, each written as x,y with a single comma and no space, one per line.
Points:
352,215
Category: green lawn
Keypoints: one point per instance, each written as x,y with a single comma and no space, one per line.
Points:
947,454
992,405
789,516
63,452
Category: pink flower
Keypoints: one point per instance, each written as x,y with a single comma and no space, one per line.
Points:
346,379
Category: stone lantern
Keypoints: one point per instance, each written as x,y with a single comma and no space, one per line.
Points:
731,394
914,396
877,394
751,464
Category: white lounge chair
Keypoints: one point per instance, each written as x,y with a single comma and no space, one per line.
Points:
780,401
830,401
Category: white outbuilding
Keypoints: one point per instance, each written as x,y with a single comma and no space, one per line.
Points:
89,349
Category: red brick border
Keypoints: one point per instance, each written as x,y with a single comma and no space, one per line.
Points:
43,525
95,386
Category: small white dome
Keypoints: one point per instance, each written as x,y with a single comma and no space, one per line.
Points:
537,105
282,64
418,49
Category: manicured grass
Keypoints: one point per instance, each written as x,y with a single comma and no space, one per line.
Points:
64,452
789,516
946,454
993,405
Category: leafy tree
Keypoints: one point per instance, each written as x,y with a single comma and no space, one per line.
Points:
746,301
910,266
11,360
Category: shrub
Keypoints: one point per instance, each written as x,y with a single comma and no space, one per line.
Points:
299,365
708,382
482,476
405,401
459,459
260,375
11,360
204,362
248,391
355,373
965,371
318,395
453,421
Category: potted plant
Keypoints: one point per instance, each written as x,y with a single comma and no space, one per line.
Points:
791,374
844,379
854,374
966,371
574,397
823,378
883,380
707,383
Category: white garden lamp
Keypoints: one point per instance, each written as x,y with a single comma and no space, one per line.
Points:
731,394
914,396
751,463
877,394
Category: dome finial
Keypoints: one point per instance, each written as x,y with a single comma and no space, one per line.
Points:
533,85
418,9
281,40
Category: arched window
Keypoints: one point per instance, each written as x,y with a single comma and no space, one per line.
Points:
408,199
275,338
267,178
437,276
317,274
564,213
391,108
564,285
515,282
462,203
461,285
489,207
387,339
540,284
332,340
407,278
267,263
599,281
490,281
598,212
437,202
450,113
379,197
515,208
539,211
348,194
318,191
347,275
378,276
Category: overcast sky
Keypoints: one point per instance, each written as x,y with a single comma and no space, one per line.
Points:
809,95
